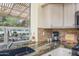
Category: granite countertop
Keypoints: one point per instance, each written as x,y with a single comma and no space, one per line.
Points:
60,51
43,49
48,47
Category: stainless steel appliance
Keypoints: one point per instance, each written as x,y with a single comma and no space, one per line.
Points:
55,39
55,36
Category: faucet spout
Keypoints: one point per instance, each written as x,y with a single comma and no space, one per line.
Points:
10,44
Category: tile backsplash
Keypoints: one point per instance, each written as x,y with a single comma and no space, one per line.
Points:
45,34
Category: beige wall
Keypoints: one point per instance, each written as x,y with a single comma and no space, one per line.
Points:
34,20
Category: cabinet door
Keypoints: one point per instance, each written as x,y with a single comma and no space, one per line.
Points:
53,15
57,16
47,16
40,17
77,6
69,15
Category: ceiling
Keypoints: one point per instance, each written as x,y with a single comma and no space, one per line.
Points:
20,10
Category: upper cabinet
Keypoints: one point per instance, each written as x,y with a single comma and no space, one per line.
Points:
44,17
77,6
53,15
69,15
40,17
47,15
58,15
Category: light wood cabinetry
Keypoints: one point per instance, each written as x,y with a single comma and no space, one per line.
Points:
53,15
47,16
69,15
41,23
77,6
58,15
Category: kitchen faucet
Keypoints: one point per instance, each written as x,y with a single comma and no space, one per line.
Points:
11,43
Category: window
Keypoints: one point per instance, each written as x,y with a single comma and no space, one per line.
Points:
15,34
1,35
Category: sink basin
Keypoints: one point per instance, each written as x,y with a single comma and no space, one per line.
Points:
17,51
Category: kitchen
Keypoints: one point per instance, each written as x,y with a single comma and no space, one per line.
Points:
39,29
58,27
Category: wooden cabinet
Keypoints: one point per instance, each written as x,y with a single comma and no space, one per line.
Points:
77,6
69,15
53,15
47,16
41,21
58,15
